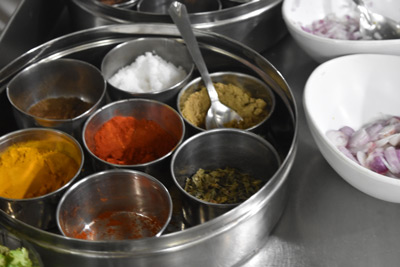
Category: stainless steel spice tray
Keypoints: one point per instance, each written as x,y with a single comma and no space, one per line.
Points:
228,240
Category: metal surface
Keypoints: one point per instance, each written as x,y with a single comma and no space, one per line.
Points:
258,24
229,239
326,221
31,23
108,205
257,157
53,79
193,6
254,86
376,26
40,211
126,53
164,115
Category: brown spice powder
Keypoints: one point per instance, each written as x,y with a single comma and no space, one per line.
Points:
60,108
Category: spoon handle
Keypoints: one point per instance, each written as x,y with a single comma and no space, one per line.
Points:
180,17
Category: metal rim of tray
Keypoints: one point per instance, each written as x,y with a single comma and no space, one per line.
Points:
192,237
222,16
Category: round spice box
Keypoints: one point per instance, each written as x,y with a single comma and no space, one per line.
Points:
227,237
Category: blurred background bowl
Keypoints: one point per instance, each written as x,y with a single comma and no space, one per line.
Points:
193,6
40,211
250,84
12,242
126,53
120,3
258,24
162,114
214,149
366,90
60,78
115,205
300,14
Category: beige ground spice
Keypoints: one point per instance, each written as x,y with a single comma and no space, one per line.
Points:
252,110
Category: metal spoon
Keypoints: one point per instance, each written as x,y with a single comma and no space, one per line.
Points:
218,114
376,26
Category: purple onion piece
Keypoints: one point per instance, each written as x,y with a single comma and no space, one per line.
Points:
374,129
359,139
347,153
377,164
375,146
393,162
347,130
338,138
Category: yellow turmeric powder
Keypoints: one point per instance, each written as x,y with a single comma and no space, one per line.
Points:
35,168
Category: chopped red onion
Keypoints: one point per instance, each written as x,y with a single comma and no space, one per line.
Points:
392,160
344,28
338,137
375,146
359,139
347,130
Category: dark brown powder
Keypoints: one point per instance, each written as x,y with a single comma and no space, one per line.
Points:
60,108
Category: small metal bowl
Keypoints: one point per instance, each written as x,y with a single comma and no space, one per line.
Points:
126,53
53,79
40,211
107,206
254,86
12,242
193,6
220,148
164,115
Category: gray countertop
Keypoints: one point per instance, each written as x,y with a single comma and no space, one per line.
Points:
327,222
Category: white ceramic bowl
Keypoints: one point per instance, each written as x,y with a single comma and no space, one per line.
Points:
353,90
298,13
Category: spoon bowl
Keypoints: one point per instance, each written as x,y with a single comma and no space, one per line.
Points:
218,114
375,26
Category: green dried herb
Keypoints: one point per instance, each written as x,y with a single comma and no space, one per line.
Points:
222,186
14,257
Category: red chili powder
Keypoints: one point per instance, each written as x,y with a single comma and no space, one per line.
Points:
128,141
119,225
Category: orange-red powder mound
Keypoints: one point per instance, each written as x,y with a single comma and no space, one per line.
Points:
129,141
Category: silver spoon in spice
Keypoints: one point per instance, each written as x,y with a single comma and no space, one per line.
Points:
218,114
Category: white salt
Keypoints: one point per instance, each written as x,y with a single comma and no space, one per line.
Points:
148,73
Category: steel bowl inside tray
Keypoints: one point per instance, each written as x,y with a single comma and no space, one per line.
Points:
229,239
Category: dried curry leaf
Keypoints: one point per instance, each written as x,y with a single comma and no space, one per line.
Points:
222,186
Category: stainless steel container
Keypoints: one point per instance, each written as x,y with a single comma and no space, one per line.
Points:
165,116
256,23
218,149
125,54
56,78
228,240
107,206
253,86
39,211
